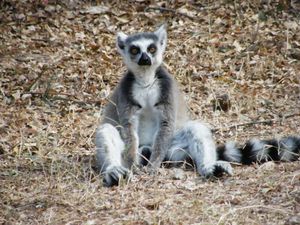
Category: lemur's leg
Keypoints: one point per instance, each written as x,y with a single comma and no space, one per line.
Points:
109,154
195,141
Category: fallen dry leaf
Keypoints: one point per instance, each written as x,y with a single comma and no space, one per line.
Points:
58,65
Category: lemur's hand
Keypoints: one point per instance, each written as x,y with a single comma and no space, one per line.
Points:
151,169
154,165
130,138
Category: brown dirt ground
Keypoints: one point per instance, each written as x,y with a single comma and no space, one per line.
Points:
58,63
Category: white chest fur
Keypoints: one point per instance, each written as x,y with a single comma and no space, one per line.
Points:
146,95
149,116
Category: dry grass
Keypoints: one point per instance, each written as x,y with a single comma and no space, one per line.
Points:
59,63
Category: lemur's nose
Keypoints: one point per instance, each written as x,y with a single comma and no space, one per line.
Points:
144,60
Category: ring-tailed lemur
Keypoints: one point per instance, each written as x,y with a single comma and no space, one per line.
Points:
147,118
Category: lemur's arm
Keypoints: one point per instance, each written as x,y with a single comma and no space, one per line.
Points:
128,131
163,136
128,117
167,122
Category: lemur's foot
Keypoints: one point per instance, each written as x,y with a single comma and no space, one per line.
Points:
222,167
114,174
216,170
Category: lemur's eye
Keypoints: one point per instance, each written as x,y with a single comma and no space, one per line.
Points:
134,50
152,48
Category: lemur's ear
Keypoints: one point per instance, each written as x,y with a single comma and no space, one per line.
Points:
121,38
161,33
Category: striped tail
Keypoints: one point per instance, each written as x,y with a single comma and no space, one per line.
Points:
286,149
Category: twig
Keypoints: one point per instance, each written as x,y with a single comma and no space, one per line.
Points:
58,98
40,39
50,96
200,7
234,211
255,34
27,89
173,11
267,122
51,93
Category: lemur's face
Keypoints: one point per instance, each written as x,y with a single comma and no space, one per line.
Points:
142,50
